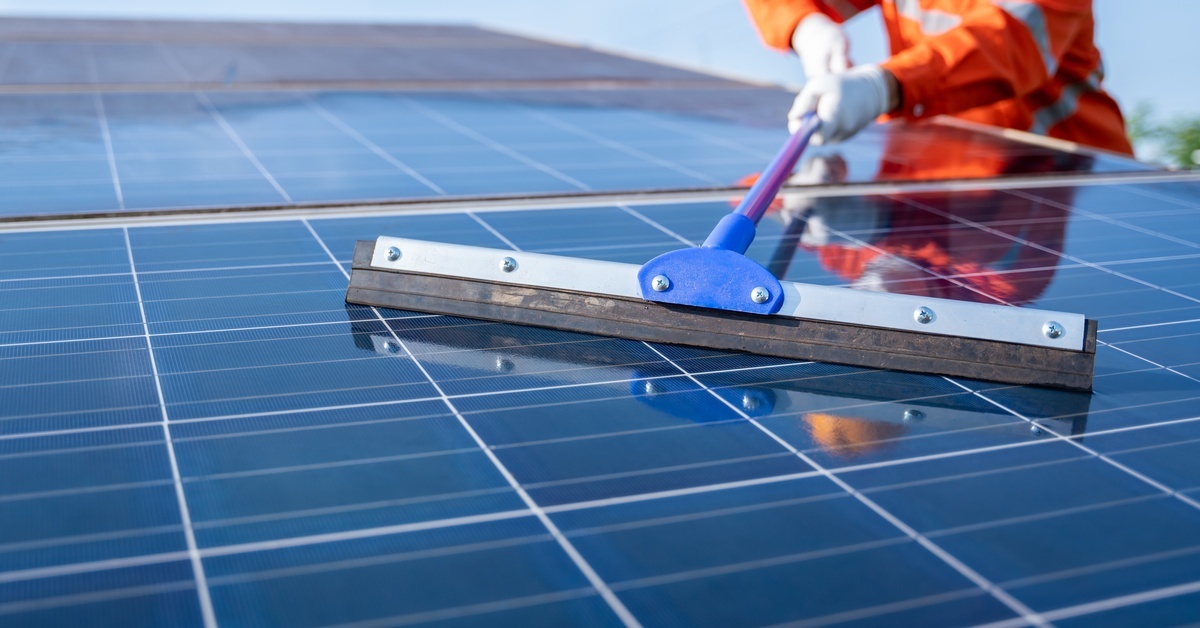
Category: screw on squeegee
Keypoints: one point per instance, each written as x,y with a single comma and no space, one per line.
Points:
759,295
912,414
508,264
924,315
393,254
660,283
1053,330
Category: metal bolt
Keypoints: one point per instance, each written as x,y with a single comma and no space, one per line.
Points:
508,264
391,347
1036,430
652,388
393,254
504,365
924,315
913,414
660,283
759,295
750,402
1053,330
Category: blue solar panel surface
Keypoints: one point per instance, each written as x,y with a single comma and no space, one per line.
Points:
116,152
195,427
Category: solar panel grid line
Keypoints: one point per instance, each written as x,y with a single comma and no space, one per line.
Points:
80,538
1152,362
207,612
470,610
724,143
39,573
378,559
1103,218
883,609
975,577
372,146
1042,516
653,223
1121,601
751,565
12,608
1105,566
362,532
1075,442
1041,247
237,139
483,223
501,148
629,150
81,490
589,573
323,465
108,149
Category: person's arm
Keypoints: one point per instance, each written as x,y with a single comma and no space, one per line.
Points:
777,20
1001,50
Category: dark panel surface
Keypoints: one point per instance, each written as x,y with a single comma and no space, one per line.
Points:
339,464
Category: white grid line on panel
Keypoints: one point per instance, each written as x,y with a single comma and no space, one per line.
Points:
593,578
345,127
949,559
106,135
1084,448
613,144
494,145
206,606
237,140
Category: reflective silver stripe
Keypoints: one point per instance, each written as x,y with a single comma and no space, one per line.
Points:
932,21
842,8
1045,118
1031,15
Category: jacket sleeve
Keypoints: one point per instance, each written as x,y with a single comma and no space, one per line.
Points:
1000,50
776,20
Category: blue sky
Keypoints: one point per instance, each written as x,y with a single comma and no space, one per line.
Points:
1149,47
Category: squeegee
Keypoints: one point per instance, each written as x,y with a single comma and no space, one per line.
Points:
713,296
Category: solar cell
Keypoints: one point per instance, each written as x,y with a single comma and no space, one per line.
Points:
341,465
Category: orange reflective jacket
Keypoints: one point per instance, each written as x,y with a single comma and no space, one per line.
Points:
1030,65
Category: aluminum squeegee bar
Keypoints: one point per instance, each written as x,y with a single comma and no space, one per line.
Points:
840,305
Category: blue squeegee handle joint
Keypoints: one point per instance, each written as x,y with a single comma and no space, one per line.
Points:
735,232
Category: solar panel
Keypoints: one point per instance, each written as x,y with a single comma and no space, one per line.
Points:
126,152
196,429
330,464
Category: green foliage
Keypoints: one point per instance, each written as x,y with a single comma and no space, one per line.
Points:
1182,138
1179,137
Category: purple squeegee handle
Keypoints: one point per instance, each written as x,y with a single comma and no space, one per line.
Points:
735,234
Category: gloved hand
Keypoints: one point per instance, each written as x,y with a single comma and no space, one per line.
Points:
821,45
844,102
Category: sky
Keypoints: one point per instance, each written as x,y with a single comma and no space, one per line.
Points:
1149,47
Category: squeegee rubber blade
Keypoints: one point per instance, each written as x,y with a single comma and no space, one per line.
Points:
775,336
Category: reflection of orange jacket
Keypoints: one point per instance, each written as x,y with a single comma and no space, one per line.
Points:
1021,64
985,264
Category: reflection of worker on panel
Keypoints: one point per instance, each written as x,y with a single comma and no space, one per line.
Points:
1029,65
918,244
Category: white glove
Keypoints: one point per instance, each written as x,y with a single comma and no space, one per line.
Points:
845,103
821,45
